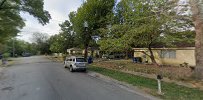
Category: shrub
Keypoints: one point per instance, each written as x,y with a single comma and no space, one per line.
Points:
6,55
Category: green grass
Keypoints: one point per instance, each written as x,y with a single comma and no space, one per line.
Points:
171,91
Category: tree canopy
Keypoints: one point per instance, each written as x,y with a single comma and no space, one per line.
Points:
146,24
10,20
95,13
64,40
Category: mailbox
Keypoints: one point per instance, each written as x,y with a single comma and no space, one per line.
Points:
159,77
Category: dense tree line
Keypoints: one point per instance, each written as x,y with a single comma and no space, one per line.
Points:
140,23
16,47
147,24
126,25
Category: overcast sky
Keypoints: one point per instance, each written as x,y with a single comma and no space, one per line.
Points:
59,10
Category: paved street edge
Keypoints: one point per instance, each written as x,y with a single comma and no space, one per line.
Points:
122,85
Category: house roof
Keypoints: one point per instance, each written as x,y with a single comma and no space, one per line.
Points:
184,48
74,49
93,48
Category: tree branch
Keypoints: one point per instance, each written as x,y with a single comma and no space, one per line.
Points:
5,8
145,53
2,3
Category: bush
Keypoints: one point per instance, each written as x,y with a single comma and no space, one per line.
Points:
6,55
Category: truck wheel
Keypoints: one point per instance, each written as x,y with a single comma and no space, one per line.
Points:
84,70
65,66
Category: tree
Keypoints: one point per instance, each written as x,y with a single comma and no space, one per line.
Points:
68,34
10,23
197,16
33,7
65,39
57,43
10,19
95,12
41,40
178,39
140,23
60,43
112,39
19,47
144,23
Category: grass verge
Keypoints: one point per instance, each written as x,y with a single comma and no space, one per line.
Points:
171,91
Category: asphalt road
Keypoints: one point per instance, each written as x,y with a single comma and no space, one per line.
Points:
37,78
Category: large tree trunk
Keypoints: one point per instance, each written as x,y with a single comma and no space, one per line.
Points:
197,11
152,56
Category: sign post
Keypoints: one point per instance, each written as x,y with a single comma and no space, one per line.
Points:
159,77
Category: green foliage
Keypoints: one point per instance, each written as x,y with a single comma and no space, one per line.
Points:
64,40
113,45
171,91
22,47
146,24
42,42
33,7
58,43
113,38
19,47
10,19
96,13
10,23
145,19
6,55
143,23
179,39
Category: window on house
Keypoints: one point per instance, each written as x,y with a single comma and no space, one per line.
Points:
168,54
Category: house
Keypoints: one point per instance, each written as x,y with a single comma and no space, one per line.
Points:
74,51
92,51
77,51
168,56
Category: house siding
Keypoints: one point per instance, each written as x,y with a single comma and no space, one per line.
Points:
182,55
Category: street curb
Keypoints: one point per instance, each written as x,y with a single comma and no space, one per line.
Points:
122,85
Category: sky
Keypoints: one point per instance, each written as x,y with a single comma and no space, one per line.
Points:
59,10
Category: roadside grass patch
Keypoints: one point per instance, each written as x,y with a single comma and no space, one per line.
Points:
171,91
